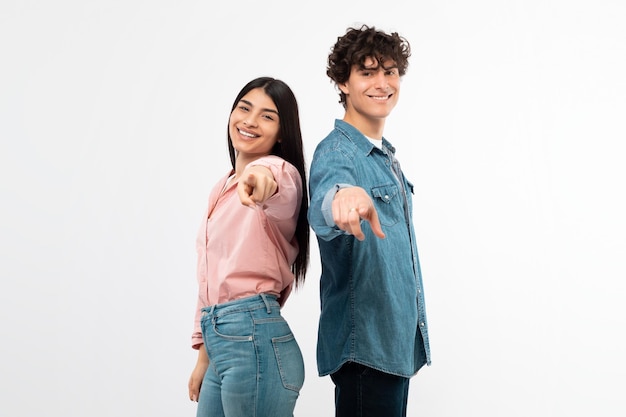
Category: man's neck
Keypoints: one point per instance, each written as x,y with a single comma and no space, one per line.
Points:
372,128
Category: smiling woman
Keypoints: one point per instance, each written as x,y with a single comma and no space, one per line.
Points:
257,211
254,126
113,128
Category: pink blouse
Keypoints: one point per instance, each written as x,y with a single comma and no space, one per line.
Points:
245,251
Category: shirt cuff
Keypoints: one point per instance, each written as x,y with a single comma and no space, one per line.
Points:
327,203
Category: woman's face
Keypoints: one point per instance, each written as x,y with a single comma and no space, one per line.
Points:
254,125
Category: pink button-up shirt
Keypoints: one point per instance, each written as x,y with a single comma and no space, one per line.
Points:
245,251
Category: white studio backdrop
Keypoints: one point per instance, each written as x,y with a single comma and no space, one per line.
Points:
511,124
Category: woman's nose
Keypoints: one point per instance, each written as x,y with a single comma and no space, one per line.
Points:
249,121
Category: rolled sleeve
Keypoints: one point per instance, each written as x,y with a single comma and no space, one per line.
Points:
330,172
327,203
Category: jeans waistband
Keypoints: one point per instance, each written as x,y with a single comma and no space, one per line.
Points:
268,301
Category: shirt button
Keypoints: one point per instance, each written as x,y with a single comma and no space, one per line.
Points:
422,324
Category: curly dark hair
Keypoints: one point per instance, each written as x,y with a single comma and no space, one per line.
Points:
358,44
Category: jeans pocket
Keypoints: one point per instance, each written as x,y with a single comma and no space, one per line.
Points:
290,362
236,327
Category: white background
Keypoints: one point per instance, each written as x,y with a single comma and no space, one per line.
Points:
113,130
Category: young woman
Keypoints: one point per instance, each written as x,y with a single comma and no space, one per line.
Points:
253,248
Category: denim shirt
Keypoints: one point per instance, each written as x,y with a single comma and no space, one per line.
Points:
372,299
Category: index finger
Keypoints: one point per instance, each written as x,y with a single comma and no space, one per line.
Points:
374,222
244,190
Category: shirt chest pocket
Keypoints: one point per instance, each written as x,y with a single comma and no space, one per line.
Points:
388,202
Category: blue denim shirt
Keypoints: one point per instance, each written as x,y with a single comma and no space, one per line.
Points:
372,300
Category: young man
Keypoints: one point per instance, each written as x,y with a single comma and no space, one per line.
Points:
373,334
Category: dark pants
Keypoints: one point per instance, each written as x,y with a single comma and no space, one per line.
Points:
361,391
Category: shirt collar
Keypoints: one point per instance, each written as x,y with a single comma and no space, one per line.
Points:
359,139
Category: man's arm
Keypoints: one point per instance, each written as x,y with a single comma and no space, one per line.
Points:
350,205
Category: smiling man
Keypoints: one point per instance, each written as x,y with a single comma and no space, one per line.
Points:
373,335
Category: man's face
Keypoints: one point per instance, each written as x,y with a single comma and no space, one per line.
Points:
372,91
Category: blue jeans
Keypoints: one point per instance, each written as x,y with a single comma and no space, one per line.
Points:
256,367
361,391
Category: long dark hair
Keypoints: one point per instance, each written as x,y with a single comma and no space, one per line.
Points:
291,150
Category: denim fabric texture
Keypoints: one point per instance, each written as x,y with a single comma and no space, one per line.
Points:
256,367
361,391
372,299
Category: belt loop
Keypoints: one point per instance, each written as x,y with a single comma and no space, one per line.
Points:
267,304
212,308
